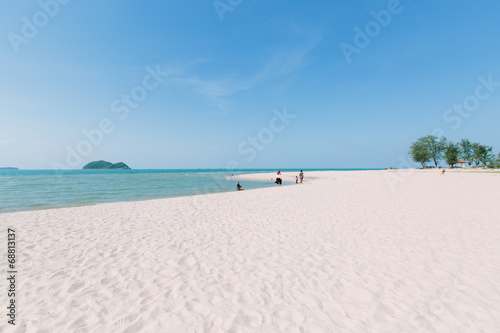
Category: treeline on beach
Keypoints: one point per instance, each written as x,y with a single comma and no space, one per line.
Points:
431,148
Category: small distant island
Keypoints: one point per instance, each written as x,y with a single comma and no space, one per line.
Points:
8,168
106,165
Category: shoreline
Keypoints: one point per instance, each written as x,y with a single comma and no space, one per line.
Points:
122,201
288,178
216,185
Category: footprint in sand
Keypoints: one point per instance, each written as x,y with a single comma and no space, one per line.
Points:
125,321
248,318
74,287
146,300
79,325
135,327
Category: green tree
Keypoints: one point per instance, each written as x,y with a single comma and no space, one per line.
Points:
419,152
451,153
435,146
475,151
482,154
466,151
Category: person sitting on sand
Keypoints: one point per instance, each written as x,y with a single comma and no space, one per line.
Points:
238,187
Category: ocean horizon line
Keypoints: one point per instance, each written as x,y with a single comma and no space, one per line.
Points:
214,169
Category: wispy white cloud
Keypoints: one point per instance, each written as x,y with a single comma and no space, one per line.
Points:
283,62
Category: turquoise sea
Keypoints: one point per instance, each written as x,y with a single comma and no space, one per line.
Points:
40,189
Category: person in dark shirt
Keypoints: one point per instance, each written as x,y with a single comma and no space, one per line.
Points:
238,187
279,181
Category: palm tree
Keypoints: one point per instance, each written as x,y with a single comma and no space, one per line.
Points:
482,154
451,153
466,151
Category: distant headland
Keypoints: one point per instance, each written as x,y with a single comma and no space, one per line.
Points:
106,165
8,168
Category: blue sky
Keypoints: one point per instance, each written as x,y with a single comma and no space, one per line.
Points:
218,84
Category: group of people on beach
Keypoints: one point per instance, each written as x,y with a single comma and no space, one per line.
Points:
298,180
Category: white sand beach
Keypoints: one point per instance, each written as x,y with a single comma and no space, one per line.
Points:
360,251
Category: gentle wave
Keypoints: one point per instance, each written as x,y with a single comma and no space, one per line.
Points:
40,189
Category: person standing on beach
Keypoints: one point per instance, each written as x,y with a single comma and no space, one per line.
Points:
278,178
301,176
